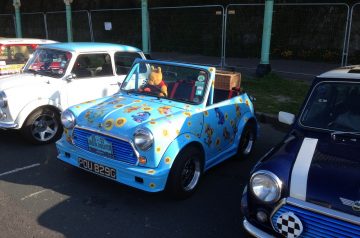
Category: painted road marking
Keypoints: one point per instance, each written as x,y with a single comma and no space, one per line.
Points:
20,169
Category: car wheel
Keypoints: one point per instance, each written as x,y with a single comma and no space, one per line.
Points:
43,126
247,141
186,173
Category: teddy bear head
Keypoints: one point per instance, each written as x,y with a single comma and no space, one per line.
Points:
156,76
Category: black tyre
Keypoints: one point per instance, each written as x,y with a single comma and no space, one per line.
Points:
247,141
42,126
185,173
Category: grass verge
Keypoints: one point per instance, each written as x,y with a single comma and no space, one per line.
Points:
274,93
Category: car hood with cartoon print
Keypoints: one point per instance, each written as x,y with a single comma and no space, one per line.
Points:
121,114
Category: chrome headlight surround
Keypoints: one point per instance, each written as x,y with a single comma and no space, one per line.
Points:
3,99
266,186
68,119
143,139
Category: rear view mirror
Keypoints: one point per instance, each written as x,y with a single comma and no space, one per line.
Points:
287,118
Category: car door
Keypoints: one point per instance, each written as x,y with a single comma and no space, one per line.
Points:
94,78
220,126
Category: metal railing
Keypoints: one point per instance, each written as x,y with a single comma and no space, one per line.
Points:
353,41
219,36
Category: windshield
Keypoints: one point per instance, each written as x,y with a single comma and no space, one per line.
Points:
179,83
15,54
48,62
333,106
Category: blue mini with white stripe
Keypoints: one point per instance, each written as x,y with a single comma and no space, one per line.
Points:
153,136
309,184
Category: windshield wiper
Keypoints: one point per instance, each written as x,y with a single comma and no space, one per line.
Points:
335,134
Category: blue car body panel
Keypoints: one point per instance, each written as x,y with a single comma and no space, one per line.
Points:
216,128
331,203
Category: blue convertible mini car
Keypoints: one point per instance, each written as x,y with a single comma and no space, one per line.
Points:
156,134
309,185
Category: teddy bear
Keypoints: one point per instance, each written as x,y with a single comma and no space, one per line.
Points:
155,83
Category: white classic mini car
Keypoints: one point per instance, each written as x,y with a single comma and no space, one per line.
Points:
56,77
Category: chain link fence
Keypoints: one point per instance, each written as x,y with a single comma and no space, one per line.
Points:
56,26
195,30
7,25
212,34
310,32
121,26
354,36
33,25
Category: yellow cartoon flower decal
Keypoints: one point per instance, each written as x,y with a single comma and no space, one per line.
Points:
177,131
151,171
217,141
189,123
137,100
226,116
165,132
109,123
231,122
152,185
158,149
206,113
187,136
147,108
152,122
78,106
120,121
240,100
66,131
188,114
119,105
167,160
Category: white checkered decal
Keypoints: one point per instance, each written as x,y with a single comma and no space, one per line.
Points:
289,225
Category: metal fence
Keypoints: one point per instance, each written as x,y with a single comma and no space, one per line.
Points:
221,36
318,33
353,50
7,25
122,26
56,25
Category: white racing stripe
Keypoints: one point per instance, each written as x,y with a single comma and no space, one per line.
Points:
299,175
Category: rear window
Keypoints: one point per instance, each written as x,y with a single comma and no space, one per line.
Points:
15,54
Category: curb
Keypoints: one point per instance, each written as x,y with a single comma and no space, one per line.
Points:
268,118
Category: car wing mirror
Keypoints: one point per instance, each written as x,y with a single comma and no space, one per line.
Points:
286,118
70,77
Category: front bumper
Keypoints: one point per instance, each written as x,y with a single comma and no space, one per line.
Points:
254,231
8,125
153,180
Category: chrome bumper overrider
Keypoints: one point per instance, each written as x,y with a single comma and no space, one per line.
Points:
254,231
8,125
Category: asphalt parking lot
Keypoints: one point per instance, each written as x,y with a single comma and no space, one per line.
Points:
42,197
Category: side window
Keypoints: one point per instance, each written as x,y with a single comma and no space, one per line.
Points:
92,65
124,61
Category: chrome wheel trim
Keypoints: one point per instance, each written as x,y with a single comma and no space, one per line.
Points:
44,127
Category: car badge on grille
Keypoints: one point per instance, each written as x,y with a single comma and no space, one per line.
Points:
355,205
289,225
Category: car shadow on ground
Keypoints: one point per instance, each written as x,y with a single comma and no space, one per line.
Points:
75,203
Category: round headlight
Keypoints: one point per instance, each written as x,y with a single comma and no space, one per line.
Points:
3,99
266,186
68,119
143,139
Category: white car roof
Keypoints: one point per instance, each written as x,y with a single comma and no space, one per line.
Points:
347,72
6,41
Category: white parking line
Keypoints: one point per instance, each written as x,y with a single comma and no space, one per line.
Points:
20,169
33,194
